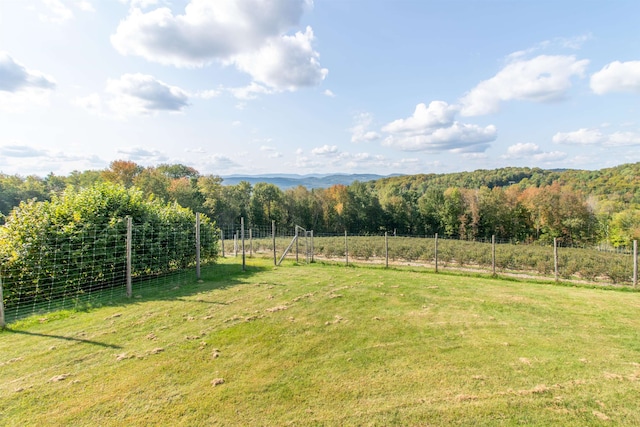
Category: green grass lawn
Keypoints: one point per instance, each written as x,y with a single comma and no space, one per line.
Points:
330,345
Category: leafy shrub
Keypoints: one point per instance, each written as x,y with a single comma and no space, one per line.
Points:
76,242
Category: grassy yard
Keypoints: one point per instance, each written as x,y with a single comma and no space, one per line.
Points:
330,345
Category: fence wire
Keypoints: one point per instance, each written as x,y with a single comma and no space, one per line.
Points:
89,266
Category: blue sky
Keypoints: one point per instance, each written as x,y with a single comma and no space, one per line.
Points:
325,86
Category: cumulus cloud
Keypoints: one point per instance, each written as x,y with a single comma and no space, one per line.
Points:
434,129
21,87
325,150
595,136
15,77
135,94
360,132
284,63
617,77
21,151
17,157
270,152
544,78
582,136
533,152
248,34
61,11
143,155
221,162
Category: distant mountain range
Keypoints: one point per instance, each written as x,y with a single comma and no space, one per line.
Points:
284,181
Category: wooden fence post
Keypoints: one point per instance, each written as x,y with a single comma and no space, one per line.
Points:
244,260
346,248
198,245
555,257
129,245
436,252
273,234
635,263
2,321
386,249
493,254
222,241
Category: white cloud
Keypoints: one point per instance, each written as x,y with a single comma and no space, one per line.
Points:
248,34
220,162
360,132
135,94
531,151
434,129
284,63
61,11
142,155
249,92
617,77
329,93
439,114
21,87
206,31
16,157
580,137
544,78
325,150
15,77
270,152
595,136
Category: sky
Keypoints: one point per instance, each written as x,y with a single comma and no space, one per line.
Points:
318,87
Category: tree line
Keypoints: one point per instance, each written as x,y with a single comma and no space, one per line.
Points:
517,204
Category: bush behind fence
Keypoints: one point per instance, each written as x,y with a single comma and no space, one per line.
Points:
66,270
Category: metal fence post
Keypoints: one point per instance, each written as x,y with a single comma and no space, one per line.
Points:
250,243
129,245
312,249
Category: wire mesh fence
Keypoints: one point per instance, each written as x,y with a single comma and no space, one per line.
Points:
600,264
93,265
97,264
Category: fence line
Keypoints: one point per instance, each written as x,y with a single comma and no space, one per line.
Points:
560,263
101,264
98,263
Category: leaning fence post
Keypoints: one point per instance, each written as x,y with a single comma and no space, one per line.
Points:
129,244
436,252
198,245
635,265
555,257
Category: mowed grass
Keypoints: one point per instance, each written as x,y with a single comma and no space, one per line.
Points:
330,345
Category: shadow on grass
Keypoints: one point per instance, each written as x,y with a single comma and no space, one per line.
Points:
60,337
174,286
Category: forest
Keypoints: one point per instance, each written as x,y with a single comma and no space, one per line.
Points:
516,204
